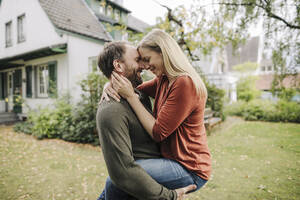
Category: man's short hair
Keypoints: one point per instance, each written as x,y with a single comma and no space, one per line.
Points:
111,51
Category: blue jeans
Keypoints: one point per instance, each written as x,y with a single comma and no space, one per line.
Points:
166,172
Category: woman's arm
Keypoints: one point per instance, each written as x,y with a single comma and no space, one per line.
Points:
149,87
146,119
176,109
127,92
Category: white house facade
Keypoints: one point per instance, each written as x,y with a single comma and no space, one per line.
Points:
46,47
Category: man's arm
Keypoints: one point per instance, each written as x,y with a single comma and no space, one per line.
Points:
117,150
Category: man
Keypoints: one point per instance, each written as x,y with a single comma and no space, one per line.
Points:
122,137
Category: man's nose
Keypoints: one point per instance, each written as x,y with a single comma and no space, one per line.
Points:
144,66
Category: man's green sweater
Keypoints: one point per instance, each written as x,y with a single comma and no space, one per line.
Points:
123,139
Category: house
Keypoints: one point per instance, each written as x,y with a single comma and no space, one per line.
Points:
218,67
113,13
47,46
265,80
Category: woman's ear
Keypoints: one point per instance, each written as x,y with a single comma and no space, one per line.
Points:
117,66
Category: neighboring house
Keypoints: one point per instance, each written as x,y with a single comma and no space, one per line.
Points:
218,67
264,84
113,13
46,46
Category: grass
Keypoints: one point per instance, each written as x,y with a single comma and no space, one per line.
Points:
251,160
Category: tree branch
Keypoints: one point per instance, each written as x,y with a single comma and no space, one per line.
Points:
181,41
267,9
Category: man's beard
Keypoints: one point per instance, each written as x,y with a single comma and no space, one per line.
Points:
134,78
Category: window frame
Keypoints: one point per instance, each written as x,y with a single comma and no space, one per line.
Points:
46,81
92,63
21,35
8,36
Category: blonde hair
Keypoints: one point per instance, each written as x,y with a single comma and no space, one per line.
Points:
175,61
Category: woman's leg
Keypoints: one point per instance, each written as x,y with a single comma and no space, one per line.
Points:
170,173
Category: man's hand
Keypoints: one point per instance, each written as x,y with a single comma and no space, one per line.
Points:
181,192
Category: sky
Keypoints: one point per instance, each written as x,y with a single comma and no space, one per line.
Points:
148,10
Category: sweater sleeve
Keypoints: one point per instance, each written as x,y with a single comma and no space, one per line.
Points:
149,87
178,106
117,150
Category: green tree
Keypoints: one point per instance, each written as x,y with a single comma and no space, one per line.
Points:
246,89
216,23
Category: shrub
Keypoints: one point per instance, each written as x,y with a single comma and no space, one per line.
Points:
24,127
236,108
63,120
215,99
51,122
264,110
246,89
289,111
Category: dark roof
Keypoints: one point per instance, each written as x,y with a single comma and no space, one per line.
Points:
136,24
133,23
244,53
104,18
74,16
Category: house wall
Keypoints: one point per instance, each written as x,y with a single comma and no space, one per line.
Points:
39,30
79,51
40,33
62,81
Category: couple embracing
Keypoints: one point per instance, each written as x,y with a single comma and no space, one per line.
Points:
159,153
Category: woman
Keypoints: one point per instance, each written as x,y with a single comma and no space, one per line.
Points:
180,96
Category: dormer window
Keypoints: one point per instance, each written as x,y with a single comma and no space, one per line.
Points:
8,34
109,11
21,28
117,15
102,9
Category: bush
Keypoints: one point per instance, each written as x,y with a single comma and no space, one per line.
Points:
264,110
236,108
83,129
246,89
289,111
52,122
63,120
215,100
24,127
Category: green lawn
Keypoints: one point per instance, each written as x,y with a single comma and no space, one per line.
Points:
251,160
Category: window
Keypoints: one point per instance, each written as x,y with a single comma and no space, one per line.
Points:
21,28
8,34
1,86
123,17
102,9
28,81
263,68
269,68
117,15
42,80
93,64
109,11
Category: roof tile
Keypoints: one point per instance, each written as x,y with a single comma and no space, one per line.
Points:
74,16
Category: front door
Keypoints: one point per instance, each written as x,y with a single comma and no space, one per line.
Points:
10,96
14,91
